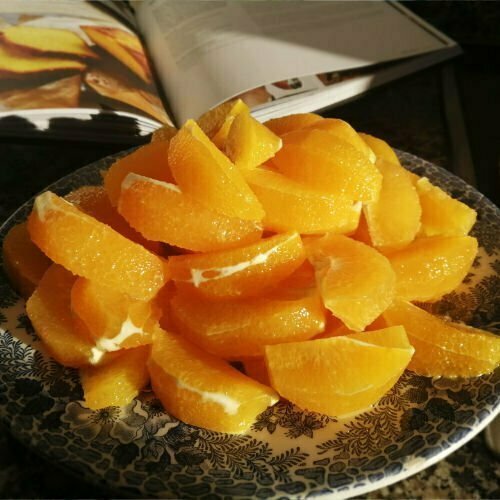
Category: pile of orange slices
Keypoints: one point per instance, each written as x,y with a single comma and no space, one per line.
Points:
294,247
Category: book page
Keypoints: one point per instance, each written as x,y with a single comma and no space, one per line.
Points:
207,52
74,59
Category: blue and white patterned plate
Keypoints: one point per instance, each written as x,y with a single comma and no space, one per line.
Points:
142,451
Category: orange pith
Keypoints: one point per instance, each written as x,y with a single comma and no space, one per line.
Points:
332,385
444,348
161,212
92,249
241,328
355,281
345,132
242,272
381,149
325,162
113,315
249,143
207,175
201,389
429,268
283,125
118,382
393,219
23,261
94,201
150,160
49,309
289,206
441,214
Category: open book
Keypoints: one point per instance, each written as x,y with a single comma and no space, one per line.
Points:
115,70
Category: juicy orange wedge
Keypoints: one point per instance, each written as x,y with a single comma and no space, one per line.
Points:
161,212
92,249
164,133
117,382
333,385
242,272
381,149
356,282
429,268
444,348
49,310
150,160
201,389
441,214
241,328
249,143
217,121
113,319
205,174
325,162
289,206
23,261
284,124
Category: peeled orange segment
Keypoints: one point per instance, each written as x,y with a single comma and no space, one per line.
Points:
150,160
289,206
242,328
381,149
429,268
118,382
325,162
92,249
302,278
394,218
283,125
256,368
161,212
242,272
336,330
164,133
356,282
208,176
444,348
113,319
441,214
217,121
201,389
345,132
249,143
23,261
49,309
94,201
337,376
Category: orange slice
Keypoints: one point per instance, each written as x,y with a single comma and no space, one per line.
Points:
49,309
289,206
23,262
203,390
94,201
242,328
345,132
323,161
394,218
207,175
161,212
429,268
242,272
118,382
284,124
217,121
150,160
345,375
256,368
381,149
444,348
112,318
249,143
355,281
164,133
92,249
441,214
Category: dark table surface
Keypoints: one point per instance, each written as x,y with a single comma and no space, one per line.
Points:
418,114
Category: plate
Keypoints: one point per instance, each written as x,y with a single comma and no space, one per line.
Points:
140,450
